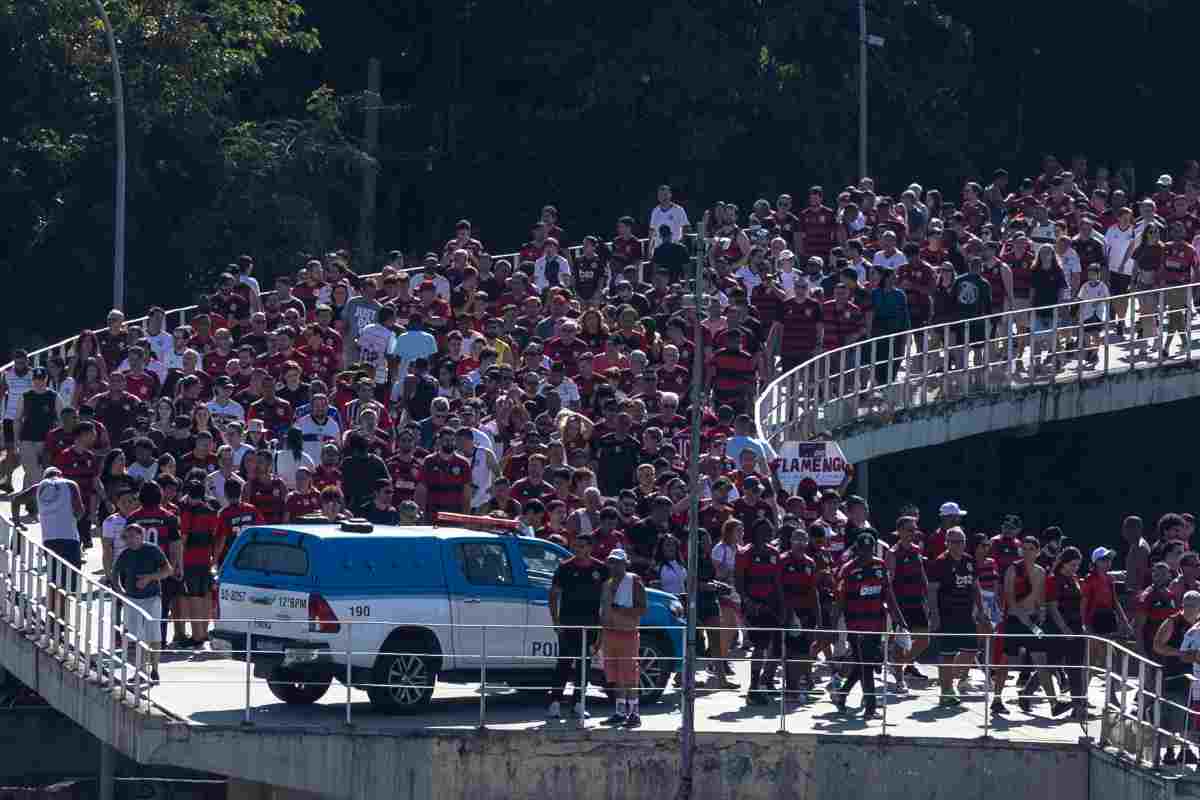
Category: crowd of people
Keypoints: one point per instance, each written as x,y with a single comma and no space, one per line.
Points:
555,388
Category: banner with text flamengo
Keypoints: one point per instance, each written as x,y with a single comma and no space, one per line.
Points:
824,462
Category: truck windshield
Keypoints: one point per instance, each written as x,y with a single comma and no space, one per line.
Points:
281,559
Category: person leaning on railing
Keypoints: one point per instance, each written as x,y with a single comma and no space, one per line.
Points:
1176,656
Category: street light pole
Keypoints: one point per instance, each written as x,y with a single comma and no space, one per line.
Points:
687,736
862,88
119,222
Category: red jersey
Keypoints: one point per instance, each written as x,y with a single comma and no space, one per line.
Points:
405,474
81,466
863,588
198,527
1179,262
1099,592
798,578
1022,272
908,579
626,251
987,575
800,320
1006,550
558,350
269,497
160,524
277,415
230,522
327,476
320,362
760,572
144,387
818,226
300,503
444,478
841,323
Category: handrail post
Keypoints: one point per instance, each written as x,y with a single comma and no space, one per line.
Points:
349,669
249,672
883,678
947,360
1187,328
1141,701
1054,343
1162,340
784,682
988,641
583,677
138,671
1158,688
483,655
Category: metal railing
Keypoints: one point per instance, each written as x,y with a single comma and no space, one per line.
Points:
90,629
179,316
882,377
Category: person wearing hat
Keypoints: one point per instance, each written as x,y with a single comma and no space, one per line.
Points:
950,515
575,594
622,604
1103,614
866,602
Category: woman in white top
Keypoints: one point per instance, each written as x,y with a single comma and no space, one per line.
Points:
672,574
724,557
291,457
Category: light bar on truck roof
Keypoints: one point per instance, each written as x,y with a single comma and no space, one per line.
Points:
474,521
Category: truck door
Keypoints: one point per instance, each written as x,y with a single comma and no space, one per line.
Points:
484,591
539,560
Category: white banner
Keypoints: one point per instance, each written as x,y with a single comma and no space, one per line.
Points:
824,462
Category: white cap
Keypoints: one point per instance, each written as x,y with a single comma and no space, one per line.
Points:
952,509
618,555
788,254
1165,180
1101,553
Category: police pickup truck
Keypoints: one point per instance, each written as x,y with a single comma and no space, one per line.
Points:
416,598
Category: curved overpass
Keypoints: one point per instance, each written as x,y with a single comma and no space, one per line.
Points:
874,406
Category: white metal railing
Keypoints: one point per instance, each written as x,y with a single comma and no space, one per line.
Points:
86,626
882,376
179,316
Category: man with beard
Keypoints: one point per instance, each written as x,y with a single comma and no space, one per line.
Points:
445,483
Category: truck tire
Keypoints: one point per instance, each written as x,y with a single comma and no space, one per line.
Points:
403,683
296,688
654,673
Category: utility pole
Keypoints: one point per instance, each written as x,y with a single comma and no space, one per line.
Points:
366,208
119,104
862,88
688,732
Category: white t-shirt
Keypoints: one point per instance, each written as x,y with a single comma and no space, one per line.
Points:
894,261
673,216
286,465
787,279
1116,243
143,474
317,434
441,286
1089,292
226,413
375,342
481,476
1191,641
250,281
18,385
411,345
111,530
162,344
673,577
214,487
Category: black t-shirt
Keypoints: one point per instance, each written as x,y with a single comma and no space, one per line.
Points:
580,583
382,516
672,255
956,586
617,458
133,564
972,296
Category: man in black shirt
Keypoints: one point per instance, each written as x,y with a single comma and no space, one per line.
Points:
137,574
617,458
575,600
643,537
381,511
669,254
972,296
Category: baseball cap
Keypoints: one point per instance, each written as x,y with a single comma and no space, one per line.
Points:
1101,553
952,508
618,555
1165,180
855,500
40,372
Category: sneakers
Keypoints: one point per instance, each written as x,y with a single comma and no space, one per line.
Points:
870,713
579,712
1059,707
949,701
616,719
998,707
912,672
633,721
554,711
154,676
756,696
901,687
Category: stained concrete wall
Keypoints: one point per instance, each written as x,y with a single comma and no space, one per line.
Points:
1026,407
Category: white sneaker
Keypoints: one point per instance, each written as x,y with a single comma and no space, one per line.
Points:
580,713
554,711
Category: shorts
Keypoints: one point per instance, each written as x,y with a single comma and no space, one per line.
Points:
197,581
801,633
8,431
1104,622
620,657
708,608
1093,326
67,550
1043,323
759,639
146,630
1017,636
959,635
976,332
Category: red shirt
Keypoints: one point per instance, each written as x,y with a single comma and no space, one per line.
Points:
841,323
558,350
444,478
800,320
198,527
81,466
269,497
230,522
300,503
818,225
1098,591
144,387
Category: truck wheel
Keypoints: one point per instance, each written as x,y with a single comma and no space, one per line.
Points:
296,688
654,673
403,682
